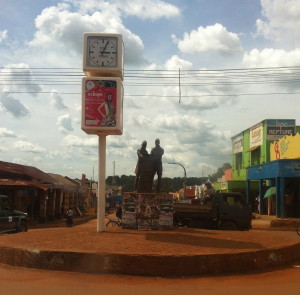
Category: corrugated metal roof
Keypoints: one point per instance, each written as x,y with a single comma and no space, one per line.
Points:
22,170
8,182
61,180
7,171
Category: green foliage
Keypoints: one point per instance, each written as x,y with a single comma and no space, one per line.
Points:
167,184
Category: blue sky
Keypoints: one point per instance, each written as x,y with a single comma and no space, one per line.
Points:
206,39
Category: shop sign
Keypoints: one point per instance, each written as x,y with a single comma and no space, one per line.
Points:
238,144
256,136
223,186
279,128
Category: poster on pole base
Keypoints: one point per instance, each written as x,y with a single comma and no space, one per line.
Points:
152,211
129,220
165,221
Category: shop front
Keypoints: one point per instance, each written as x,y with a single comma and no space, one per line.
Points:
279,187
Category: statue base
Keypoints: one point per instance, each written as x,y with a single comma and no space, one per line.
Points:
147,211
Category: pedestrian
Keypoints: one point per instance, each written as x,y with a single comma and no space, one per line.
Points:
70,218
257,202
207,192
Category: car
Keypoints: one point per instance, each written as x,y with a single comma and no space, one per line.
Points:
11,220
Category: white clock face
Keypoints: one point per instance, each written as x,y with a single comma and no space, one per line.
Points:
102,52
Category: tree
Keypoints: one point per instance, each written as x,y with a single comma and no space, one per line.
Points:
167,184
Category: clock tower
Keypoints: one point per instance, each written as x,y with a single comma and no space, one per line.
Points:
102,89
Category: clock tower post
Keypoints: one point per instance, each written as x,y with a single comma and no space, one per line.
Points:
102,99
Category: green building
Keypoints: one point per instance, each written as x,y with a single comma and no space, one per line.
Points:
251,148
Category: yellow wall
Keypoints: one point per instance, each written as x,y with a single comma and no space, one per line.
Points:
287,147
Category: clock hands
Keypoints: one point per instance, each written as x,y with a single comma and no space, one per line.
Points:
104,48
103,52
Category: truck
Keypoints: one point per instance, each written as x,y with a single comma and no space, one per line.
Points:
11,220
225,211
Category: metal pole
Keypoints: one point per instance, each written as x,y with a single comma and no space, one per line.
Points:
183,170
101,183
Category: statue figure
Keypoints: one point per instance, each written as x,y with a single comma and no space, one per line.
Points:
142,153
157,153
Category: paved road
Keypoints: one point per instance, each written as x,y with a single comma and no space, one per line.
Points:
15,281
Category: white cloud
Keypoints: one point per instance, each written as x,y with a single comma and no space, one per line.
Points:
60,29
12,81
282,20
148,9
57,101
175,62
7,133
3,35
75,141
211,38
64,123
26,146
144,9
13,106
270,57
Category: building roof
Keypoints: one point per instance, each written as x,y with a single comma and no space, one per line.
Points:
24,183
17,171
62,181
8,171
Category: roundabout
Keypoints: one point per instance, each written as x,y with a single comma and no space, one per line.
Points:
178,252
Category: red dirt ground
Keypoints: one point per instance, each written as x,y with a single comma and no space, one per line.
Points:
182,241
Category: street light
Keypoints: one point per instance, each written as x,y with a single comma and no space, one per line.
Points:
183,169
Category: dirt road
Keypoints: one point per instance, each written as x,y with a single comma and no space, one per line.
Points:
24,281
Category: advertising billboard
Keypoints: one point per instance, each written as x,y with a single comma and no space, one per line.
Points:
102,105
285,148
279,128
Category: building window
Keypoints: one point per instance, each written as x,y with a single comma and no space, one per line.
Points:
238,161
255,157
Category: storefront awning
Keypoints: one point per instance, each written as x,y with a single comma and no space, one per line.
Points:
253,148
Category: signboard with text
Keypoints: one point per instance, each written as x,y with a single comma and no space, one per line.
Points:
102,107
238,144
279,128
256,136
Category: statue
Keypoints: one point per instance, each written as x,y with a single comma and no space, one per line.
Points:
157,153
142,153
147,167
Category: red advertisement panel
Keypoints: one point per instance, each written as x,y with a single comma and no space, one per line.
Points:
100,103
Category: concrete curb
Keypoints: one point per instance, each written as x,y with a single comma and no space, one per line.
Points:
150,265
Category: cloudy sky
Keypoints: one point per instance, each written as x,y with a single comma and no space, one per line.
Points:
238,63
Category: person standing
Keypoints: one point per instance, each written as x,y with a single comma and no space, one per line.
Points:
207,192
69,221
157,153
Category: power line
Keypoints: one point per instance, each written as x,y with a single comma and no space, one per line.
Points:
159,95
60,77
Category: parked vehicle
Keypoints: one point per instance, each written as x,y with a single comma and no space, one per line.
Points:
227,211
11,220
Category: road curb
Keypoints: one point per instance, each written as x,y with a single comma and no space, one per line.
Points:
150,265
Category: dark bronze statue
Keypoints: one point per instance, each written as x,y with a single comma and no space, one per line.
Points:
157,153
142,154
147,167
